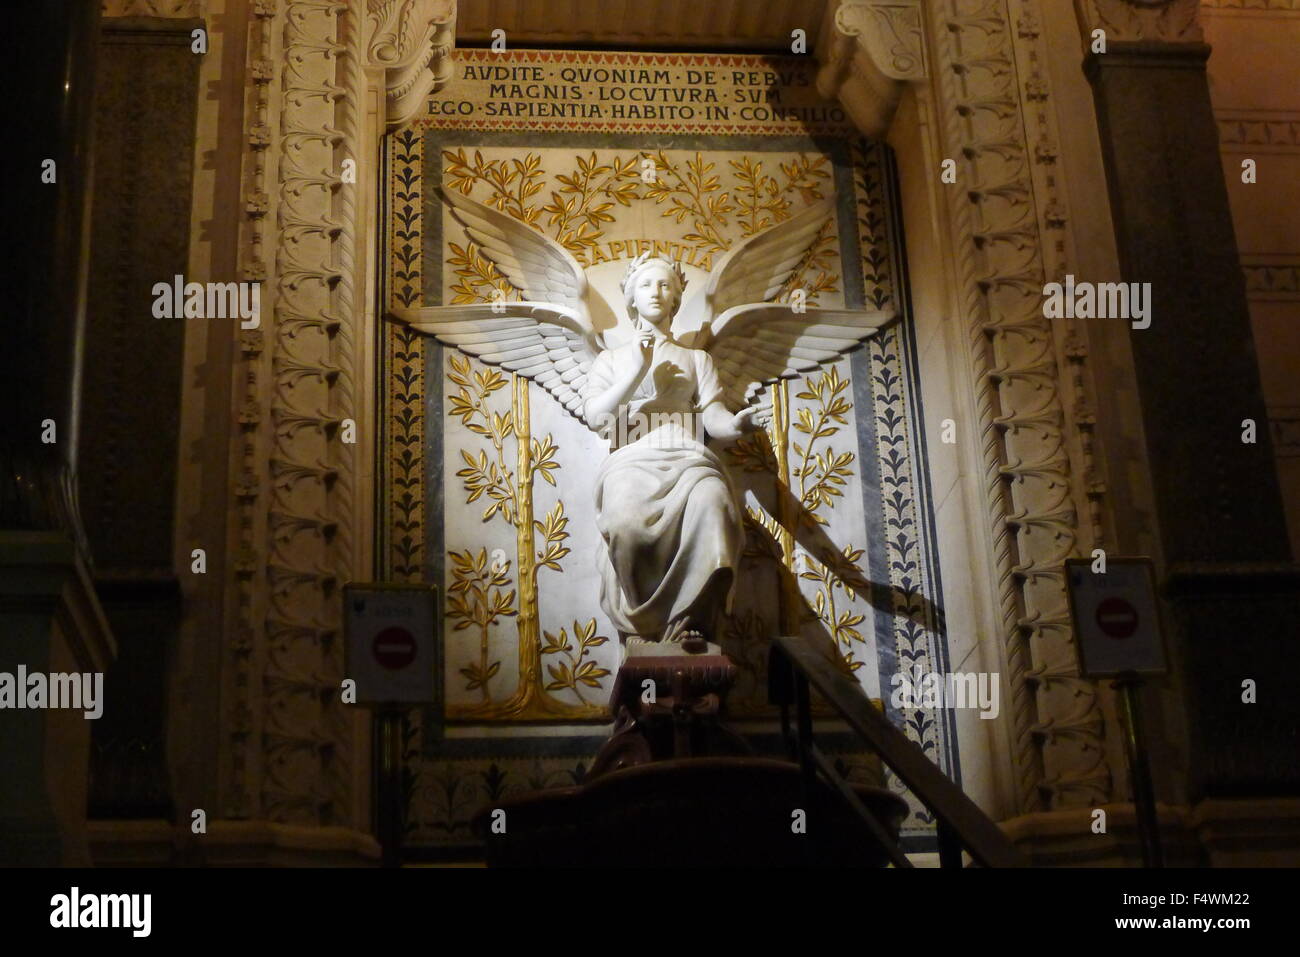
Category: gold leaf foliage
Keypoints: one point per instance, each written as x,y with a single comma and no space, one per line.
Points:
476,272
586,196
575,670
478,598
829,471
482,476
693,195
512,182
553,533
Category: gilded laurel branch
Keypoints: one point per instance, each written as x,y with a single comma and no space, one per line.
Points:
477,598
576,669
762,201
475,272
576,211
827,470
482,476
821,475
512,183
694,194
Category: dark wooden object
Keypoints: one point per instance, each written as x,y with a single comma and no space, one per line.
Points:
681,719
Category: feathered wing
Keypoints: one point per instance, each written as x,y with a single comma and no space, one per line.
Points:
535,264
549,345
549,337
754,345
756,269
755,342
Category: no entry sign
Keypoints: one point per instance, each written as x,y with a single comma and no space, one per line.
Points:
1116,617
392,642
394,648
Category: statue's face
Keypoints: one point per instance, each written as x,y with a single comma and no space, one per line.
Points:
654,292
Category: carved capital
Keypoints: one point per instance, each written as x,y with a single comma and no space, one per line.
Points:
1169,21
869,50
412,41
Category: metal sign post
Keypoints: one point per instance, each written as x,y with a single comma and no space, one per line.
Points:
1117,626
393,656
1130,687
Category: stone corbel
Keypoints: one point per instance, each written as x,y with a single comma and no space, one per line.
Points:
412,42
869,50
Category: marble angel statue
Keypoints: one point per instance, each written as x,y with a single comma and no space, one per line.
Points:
669,518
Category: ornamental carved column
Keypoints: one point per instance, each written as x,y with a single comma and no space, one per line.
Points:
325,81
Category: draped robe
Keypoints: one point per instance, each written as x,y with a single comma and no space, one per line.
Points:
668,516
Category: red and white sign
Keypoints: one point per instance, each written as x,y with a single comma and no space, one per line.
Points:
1116,617
394,648
392,642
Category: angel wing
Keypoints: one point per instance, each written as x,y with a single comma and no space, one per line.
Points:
753,341
754,345
536,265
540,342
550,337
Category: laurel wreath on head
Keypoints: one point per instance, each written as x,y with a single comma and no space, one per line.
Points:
645,259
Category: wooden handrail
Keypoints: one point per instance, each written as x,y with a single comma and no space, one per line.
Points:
795,665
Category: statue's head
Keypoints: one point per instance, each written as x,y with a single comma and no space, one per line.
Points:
652,289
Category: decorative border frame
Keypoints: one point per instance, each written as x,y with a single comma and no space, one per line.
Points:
886,386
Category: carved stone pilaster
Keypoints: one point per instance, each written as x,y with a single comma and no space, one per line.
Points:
1031,487
1221,521
298,486
412,42
869,51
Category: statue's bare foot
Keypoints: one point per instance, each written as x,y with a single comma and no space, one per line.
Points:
693,642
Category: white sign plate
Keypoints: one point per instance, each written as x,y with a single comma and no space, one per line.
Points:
1116,617
392,642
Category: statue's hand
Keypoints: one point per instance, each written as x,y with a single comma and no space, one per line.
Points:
646,340
752,418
